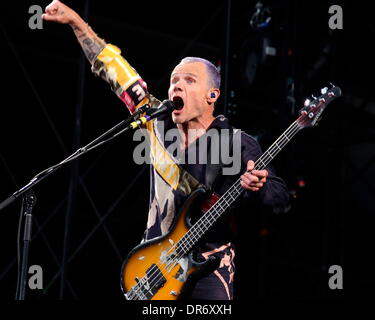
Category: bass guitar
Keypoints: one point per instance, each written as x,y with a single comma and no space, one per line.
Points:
161,268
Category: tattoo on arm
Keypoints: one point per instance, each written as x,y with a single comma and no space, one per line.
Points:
91,48
91,44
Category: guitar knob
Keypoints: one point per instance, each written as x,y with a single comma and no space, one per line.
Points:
324,90
307,102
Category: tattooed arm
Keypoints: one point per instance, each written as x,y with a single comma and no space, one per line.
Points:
106,60
91,44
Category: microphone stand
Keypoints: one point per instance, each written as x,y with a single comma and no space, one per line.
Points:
29,198
92,145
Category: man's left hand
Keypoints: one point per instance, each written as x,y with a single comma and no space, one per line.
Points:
253,180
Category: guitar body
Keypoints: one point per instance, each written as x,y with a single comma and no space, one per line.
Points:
148,267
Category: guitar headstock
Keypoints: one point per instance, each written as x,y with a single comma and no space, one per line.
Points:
311,112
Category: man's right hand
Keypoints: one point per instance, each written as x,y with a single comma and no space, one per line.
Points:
58,12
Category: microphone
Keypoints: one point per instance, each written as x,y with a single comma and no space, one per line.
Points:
167,106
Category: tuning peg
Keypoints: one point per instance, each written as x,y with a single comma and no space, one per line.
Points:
332,84
313,97
324,90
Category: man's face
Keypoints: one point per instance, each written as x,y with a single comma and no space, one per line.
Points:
189,81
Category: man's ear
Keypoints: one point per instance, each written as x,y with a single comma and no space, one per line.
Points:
213,95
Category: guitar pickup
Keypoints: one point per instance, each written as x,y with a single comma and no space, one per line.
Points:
155,280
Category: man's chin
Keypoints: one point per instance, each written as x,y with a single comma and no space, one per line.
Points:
177,119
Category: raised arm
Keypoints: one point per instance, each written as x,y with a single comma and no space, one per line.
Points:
91,44
105,59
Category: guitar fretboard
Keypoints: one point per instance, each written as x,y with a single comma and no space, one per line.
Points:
185,244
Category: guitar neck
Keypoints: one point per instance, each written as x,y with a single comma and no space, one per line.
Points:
216,211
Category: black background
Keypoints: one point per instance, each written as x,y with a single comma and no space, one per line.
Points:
285,256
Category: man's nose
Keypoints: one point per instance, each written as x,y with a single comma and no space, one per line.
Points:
177,86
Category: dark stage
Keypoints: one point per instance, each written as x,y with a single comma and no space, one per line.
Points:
92,212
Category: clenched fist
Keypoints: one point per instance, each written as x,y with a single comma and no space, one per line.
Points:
58,12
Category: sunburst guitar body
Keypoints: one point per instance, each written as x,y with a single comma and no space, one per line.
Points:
160,269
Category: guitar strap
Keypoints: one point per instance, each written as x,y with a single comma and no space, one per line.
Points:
214,170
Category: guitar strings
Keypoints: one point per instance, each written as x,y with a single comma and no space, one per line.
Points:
228,195
260,163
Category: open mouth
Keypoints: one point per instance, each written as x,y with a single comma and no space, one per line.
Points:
178,102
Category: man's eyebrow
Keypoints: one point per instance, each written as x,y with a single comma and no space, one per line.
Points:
184,73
